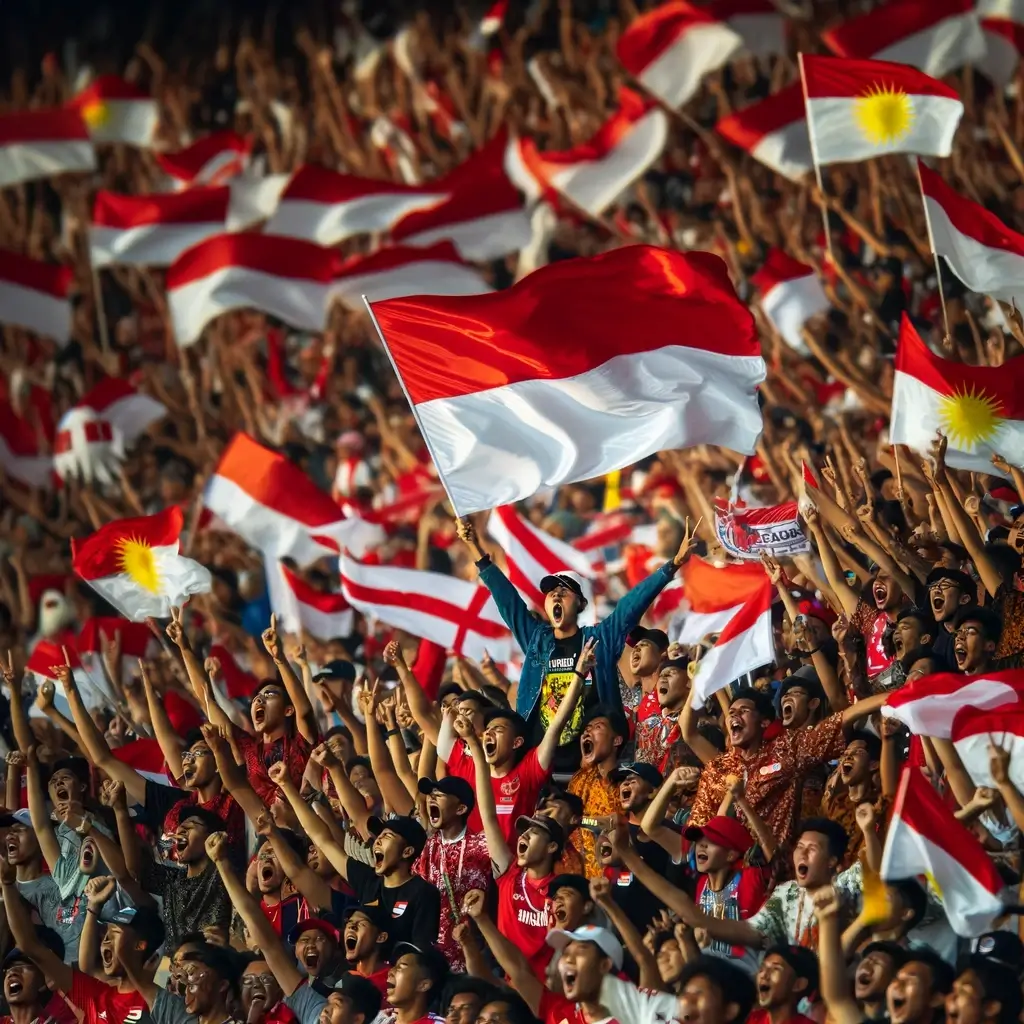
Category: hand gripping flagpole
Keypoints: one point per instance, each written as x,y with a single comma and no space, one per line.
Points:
408,398
935,255
814,160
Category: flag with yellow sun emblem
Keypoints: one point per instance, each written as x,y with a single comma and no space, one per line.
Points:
860,109
980,409
135,565
117,111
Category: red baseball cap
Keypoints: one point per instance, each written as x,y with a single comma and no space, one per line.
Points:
722,831
816,610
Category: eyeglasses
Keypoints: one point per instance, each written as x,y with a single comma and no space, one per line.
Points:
966,631
944,585
266,980
193,755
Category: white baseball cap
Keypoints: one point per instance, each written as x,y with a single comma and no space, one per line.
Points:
601,937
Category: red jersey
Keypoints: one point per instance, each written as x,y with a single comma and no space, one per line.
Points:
379,979
283,915
514,794
556,1009
56,1010
760,1016
524,915
101,1002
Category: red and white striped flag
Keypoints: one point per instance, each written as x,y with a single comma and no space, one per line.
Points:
285,277
211,160
323,206
935,36
34,295
790,295
555,380
976,729
1002,22
492,21
531,554
715,595
670,49
458,615
745,643
154,230
979,248
483,216
594,174
928,706
117,111
773,132
22,452
270,503
980,409
758,23
400,270
324,616
924,838
42,144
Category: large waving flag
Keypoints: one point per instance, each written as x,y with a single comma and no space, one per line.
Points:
925,839
790,295
117,111
979,248
715,594
773,132
592,175
860,109
135,565
42,144
936,36
323,615
582,367
980,409
34,295
745,643
976,729
1002,22
759,23
670,49
211,160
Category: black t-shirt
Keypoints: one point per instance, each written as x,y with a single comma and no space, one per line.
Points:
638,902
414,906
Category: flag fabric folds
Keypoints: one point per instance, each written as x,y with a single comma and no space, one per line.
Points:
1002,23
117,111
43,143
790,295
976,729
34,295
980,409
924,839
322,615
715,594
860,109
210,160
582,367
773,132
134,564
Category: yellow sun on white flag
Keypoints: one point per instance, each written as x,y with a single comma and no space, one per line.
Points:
970,417
885,115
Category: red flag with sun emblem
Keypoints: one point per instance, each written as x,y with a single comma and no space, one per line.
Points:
134,564
980,409
861,109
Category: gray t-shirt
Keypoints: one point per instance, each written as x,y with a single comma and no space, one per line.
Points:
305,1004
65,916
70,879
170,1009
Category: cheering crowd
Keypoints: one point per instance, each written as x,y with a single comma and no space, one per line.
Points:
291,798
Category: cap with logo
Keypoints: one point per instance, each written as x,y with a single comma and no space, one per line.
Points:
601,937
641,769
563,578
408,828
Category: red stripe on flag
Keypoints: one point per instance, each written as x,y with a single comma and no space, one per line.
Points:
100,554
888,24
50,278
828,77
269,254
329,604
193,206
748,616
51,125
109,87
747,127
395,256
320,185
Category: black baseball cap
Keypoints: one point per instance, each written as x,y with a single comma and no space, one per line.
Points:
577,882
549,825
450,785
48,937
364,995
641,769
337,671
376,915
429,957
565,578
408,828
658,637
1001,947
143,921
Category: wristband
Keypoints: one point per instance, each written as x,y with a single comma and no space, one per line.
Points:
393,732
92,910
582,675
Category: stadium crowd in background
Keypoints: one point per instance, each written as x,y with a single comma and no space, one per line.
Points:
711,736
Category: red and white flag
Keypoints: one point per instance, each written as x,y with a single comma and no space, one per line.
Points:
34,295
23,453
924,839
285,277
154,230
671,48
400,270
976,729
458,615
773,132
584,366
134,640
324,616
594,174
211,160
715,595
146,757
269,502
117,111
745,643
532,553
42,144
758,23
980,409
492,21
861,109
323,206
47,656
134,564
928,706
979,248
790,295
483,216
1002,22
936,36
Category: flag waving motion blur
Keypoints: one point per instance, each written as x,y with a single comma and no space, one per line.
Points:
583,367
134,564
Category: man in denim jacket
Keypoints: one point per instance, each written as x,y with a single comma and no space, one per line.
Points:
552,647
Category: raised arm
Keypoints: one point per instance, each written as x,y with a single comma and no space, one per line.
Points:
98,890
396,797
24,932
601,894
113,796
845,594
766,838
999,767
305,719
548,746
171,744
232,775
41,824
497,845
317,892
198,679
425,712
835,984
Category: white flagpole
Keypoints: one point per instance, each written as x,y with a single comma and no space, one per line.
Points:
814,160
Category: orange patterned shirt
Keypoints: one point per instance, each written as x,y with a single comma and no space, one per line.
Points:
600,796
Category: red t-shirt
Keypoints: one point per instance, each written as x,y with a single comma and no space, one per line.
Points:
56,1010
524,916
514,794
556,1009
283,915
760,1016
101,1002
379,979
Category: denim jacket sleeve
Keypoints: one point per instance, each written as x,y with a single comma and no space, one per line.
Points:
511,606
632,606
